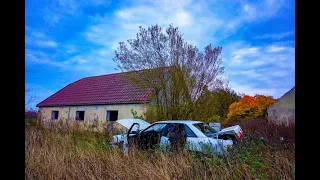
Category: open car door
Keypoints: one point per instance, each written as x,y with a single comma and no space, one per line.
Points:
148,138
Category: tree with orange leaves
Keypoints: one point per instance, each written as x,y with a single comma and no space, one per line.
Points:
249,107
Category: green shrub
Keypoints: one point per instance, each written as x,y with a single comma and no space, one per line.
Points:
135,114
31,121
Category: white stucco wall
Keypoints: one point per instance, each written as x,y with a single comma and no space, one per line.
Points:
98,112
283,110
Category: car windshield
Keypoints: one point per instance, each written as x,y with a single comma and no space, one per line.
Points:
205,129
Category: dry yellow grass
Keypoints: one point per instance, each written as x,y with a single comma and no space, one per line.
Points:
83,155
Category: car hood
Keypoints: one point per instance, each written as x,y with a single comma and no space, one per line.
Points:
128,123
231,130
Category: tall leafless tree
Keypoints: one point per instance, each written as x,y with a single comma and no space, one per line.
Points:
28,90
179,73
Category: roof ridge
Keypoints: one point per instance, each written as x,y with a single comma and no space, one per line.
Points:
123,72
103,75
287,92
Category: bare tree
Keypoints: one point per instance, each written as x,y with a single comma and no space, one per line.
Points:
31,99
28,90
176,70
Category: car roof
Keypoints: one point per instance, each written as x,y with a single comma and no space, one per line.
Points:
180,121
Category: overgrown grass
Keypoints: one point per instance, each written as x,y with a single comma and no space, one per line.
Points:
30,121
87,155
261,128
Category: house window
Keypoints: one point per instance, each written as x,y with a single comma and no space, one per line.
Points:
112,115
80,115
54,114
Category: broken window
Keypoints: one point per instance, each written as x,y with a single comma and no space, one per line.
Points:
112,115
80,115
54,114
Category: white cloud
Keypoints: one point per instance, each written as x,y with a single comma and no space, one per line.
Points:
71,5
91,63
240,53
250,12
262,9
274,48
252,51
274,91
197,28
274,36
251,73
246,55
48,43
249,90
33,58
236,60
183,19
94,62
278,73
79,61
63,10
201,23
267,69
70,48
258,63
39,39
37,34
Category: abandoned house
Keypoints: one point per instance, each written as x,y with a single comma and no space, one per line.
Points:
99,98
283,110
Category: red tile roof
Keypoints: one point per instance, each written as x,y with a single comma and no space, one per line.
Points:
105,89
31,114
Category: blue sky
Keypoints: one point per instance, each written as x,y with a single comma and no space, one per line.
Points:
69,40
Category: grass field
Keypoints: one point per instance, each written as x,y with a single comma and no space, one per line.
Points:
30,121
84,155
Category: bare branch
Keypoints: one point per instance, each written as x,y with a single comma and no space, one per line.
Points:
180,72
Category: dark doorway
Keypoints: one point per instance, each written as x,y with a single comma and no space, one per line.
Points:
112,115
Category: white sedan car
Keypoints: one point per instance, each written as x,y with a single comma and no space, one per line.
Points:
199,136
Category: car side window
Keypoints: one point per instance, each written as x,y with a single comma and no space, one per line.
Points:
189,132
169,129
156,127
